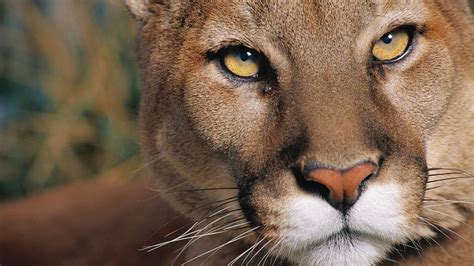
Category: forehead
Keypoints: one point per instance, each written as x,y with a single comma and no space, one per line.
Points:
306,24
292,18
281,14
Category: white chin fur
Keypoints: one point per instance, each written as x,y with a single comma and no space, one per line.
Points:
379,212
311,228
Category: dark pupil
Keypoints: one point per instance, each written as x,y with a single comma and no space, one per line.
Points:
244,56
387,38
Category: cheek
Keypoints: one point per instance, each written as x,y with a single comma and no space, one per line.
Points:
420,92
224,114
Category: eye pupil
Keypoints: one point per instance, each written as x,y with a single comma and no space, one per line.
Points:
387,38
244,56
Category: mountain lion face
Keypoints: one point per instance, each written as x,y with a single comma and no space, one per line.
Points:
320,131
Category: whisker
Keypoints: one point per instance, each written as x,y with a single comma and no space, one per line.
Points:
447,184
445,169
430,199
208,233
249,251
145,165
439,245
399,253
222,203
425,220
449,202
448,173
449,216
205,189
185,234
417,248
211,223
277,256
450,178
450,230
444,200
391,260
199,235
171,188
243,235
254,246
226,201
217,212
235,226
231,211
269,252
174,231
191,235
258,251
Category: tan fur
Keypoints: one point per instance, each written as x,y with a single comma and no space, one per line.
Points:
201,130
325,101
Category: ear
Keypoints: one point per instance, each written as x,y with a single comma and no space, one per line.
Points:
139,8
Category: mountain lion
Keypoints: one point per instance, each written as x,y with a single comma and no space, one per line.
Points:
306,132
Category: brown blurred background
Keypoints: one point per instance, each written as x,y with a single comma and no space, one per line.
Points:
69,94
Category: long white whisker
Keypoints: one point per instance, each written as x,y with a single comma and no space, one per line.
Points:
448,202
453,232
198,235
154,247
265,257
258,251
215,213
448,183
244,234
249,250
253,248
277,256
449,216
435,227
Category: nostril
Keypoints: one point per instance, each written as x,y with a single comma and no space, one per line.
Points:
366,179
308,185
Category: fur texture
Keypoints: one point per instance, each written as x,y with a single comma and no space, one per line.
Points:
325,102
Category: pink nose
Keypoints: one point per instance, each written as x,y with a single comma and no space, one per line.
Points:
343,185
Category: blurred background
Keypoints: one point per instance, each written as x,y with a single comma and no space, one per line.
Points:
69,93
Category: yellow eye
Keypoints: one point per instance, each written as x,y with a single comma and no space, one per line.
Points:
392,45
242,62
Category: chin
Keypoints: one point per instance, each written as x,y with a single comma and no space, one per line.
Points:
342,249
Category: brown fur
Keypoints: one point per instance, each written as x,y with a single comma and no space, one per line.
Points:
96,223
328,104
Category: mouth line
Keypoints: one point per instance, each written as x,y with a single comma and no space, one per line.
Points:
347,234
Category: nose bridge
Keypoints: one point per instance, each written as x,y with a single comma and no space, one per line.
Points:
331,106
